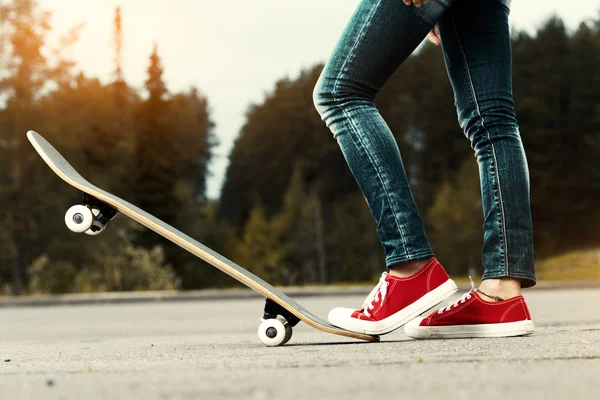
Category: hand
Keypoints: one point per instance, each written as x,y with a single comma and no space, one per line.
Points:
434,36
417,3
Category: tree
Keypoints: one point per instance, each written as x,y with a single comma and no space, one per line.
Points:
114,264
456,221
119,85
299,228
172,151
155,173
171,134
354,251
194,139
259,251
283,131
26,73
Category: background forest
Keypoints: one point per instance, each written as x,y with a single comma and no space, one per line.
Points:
289,209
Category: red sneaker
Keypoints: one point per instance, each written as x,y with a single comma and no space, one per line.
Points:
471,316
396,301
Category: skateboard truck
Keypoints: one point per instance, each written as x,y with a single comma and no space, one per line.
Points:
276,324
272,310
90,217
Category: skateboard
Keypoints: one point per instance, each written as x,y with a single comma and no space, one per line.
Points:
99,207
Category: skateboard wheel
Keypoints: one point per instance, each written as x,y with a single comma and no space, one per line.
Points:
90,232
288,329
272,332
96,229
97,226
79,218
288,334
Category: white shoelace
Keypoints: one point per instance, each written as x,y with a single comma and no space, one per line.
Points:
374,296
465,297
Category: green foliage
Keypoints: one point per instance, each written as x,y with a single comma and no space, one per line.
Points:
354,250
132,268
47,277
25,73
173,141
299,228
259,250
557,90
202,224
283,132
456,220
141,149
114,264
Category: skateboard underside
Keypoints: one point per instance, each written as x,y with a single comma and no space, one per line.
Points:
99,207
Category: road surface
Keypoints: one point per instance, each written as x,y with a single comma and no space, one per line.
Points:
210,350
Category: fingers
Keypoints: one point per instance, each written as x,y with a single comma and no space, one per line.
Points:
433,38
417,3
434,34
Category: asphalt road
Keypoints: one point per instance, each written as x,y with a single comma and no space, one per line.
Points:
210,350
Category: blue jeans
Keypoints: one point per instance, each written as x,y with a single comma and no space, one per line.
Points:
477,51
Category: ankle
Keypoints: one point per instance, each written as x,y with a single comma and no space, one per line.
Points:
504,288
408,268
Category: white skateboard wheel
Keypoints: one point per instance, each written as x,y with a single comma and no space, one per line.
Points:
272,332
288,329
96,228
288,334
79,218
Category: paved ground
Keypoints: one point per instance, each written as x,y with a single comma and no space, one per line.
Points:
209,349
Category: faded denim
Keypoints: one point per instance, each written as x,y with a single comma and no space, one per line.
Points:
477,51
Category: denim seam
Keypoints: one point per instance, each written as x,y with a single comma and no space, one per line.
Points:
516,275
409,257
497,175
355,129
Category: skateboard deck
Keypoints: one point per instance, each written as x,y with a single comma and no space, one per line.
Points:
66,172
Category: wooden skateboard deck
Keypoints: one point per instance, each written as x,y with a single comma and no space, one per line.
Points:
66,172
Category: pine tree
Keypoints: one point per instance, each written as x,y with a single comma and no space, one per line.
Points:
154,156
174,140
23,30
456,222
296,227
259,250
120,87
354,251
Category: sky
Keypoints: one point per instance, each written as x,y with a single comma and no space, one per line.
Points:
234,51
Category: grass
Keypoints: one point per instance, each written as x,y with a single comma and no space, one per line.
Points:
575,265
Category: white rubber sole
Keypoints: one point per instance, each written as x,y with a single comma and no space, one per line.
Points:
506,329
341,317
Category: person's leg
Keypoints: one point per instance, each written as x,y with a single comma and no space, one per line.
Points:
379,37
477,49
